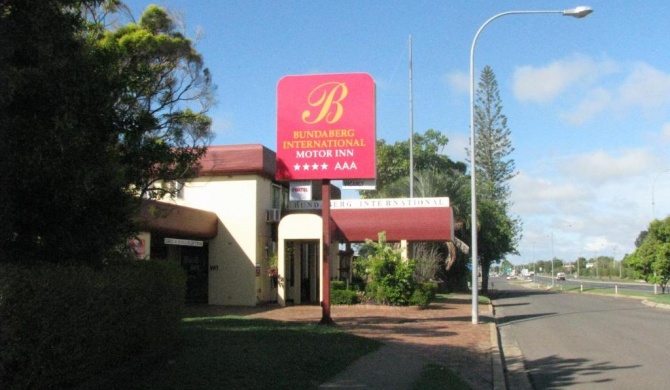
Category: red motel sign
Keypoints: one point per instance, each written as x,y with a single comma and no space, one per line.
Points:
326,127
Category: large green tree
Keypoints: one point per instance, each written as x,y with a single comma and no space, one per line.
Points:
163,78
498,230
393,163
435,175
651,259
89,120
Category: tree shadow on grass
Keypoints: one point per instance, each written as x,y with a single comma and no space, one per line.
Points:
442,335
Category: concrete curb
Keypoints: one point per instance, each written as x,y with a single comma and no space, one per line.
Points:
497,361
512,369
656,305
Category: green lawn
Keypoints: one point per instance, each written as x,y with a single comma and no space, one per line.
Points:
660,298
239,353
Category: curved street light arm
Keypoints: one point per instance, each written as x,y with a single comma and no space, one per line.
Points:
578,12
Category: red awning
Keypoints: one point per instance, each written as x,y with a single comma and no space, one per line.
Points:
412,224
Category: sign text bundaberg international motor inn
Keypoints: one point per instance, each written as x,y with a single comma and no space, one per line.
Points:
326,127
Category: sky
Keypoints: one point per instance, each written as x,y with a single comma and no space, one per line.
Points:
587,100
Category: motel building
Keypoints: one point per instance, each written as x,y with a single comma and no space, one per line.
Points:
225,225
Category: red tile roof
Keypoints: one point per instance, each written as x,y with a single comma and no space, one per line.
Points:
230,160
177,221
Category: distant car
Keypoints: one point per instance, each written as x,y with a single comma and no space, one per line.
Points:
560,276
511,277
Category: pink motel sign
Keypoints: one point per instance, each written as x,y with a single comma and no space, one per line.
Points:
326,127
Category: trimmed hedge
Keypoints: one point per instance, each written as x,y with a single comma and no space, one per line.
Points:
424,294
63,325
338,285
344,297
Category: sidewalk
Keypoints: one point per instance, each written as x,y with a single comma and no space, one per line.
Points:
443,334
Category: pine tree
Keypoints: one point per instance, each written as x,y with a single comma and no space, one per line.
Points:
493,144
499,232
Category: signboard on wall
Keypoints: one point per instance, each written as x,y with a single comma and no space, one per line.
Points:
182,242
359,184
374,203
326,127
300,190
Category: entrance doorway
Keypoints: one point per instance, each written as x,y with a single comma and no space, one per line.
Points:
309,272
195,262
302,271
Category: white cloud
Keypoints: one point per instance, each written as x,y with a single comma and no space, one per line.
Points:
595,102
580,216
544,84
600,166
642,86
458,81
540,195
455,149
639,86
665,133
646,87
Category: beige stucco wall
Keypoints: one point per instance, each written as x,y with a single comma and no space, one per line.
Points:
302,227
240,203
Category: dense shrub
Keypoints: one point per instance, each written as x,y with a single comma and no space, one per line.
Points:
390,277
424,294
338,285
344,297
62,325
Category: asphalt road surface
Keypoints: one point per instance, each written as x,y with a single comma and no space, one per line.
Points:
581,341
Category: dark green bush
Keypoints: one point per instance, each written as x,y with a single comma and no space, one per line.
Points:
344,297
357,285
424,294
389,276
338,285
62,325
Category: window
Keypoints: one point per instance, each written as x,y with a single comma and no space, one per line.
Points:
279,197
177,187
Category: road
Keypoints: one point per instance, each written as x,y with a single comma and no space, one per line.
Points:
581,341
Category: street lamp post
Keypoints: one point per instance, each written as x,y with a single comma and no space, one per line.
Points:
534,264
552,259
578,12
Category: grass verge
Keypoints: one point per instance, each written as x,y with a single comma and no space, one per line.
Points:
240,353
658,298
434,376
480,298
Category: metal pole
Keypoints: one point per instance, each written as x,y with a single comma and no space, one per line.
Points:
534,263
326,319
411,125
552,259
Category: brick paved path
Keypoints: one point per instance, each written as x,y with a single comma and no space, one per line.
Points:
442,334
